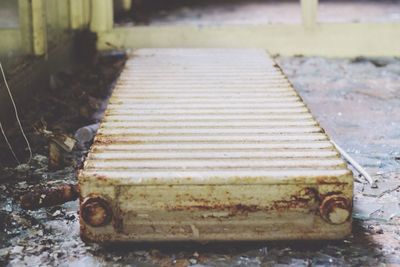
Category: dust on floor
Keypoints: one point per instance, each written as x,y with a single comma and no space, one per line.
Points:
356,101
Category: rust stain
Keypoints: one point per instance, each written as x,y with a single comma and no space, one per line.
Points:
96,211
102,178
336,209
101,140
106,140
233,208
49,196
302,200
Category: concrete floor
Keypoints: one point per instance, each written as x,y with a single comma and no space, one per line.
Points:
356,101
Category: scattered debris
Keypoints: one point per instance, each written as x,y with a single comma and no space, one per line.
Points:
364,207
86,134
354,163
48,236
378,202
58,146
381,187
49,197
387,212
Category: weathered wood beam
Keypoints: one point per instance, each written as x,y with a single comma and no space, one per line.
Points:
332,40
102,19
64,14
309,13
77,14
126,5
33,26
86,12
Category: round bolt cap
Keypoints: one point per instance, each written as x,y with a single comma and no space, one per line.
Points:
335,209
96,211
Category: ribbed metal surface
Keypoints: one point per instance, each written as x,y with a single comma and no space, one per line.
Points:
209,116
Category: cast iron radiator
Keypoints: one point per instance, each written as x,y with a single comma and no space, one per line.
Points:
208,145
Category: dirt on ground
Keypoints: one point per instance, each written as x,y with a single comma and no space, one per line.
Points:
357,101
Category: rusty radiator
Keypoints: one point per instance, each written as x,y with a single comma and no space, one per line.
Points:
211,144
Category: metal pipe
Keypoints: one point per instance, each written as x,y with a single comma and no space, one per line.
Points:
353,163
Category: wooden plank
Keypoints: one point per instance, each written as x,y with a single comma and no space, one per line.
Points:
77,14
126,5
309,13
332,40
39,27
25,17
64,16
80,13
33,26
122,6
102,18
86,6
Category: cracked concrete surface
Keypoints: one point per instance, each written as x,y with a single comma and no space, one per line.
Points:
358,103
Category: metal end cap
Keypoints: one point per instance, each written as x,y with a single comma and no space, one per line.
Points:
96,211
336,209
